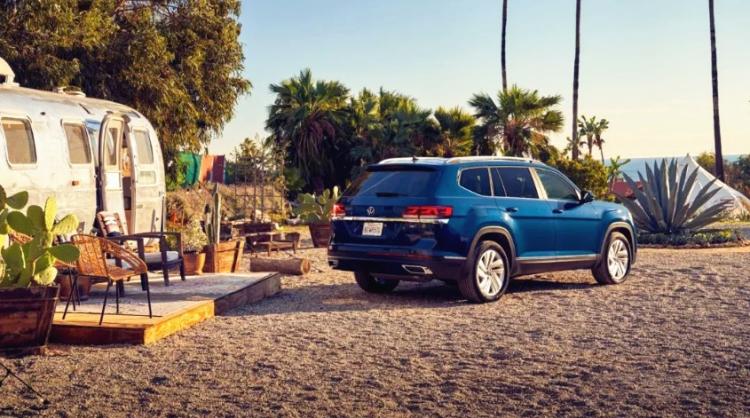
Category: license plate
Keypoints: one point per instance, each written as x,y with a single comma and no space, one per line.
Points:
372,229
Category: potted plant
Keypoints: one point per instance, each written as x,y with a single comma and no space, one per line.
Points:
28,293
221,257
194,240
316,212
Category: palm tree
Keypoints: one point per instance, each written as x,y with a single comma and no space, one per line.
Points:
592,129
715,88
518,122
502,47
456,128
586,129
570,144
614,170
389,124
575,76
306,119
599,128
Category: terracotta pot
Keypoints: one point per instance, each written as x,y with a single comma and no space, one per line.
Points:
320,234
26,318
194,263
224,257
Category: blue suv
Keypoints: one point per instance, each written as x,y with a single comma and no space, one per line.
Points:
476,221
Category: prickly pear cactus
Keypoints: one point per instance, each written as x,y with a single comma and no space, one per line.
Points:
317,209
22,265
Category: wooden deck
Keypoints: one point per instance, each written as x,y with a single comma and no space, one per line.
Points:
177,307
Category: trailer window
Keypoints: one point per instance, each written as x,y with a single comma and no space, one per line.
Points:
19,141
78,146
143,144
113,136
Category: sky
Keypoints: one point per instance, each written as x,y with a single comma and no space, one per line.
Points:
645,64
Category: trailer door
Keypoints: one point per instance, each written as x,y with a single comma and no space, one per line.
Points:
146,191
111,138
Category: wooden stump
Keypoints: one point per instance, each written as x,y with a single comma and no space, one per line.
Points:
295,266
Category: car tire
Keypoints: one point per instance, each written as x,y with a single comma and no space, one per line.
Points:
372,284
487,275
616,259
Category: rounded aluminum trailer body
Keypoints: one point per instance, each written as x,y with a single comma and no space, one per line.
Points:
133,182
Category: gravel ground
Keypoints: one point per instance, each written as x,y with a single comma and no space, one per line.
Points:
671,341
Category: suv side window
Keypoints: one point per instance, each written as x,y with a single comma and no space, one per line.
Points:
556,187
477,180
517,182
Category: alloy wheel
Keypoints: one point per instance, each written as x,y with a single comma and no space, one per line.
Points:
618,259
490,273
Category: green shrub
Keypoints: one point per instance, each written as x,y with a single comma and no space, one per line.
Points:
703,238
587,173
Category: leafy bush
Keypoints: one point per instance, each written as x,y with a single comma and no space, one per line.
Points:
662,205
193,237
702,238
587,173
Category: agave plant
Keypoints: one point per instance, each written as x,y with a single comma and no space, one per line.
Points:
662,205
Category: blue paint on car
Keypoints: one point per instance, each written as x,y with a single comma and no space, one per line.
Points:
477,221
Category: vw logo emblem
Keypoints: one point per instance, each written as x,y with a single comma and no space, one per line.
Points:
371,211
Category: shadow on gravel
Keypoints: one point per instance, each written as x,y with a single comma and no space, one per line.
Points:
346,297
536,285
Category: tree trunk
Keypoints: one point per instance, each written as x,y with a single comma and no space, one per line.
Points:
502,47
575,78
715,87
296,266
601,151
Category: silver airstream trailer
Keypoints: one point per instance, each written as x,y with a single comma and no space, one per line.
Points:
92,155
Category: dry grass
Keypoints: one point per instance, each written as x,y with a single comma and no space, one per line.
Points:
673,340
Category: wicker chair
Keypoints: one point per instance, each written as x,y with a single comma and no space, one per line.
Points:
163,260
93,264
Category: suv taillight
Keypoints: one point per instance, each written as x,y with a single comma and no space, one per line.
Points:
338,211
428,212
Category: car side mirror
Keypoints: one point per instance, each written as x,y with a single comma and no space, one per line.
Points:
586,197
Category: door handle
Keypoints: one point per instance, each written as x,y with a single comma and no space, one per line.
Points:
511,210
557,211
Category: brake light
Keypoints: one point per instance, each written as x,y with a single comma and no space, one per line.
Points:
428,212
338,211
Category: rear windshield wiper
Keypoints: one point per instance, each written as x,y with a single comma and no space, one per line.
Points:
388,194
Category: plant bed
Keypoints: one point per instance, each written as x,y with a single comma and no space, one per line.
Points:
26,318
28,292
699,239
224,257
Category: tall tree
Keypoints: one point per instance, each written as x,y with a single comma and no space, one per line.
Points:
389,124
586,129
599,129
715,89
456,132
593,129
179,62
518,122
575,77
502,47
307,119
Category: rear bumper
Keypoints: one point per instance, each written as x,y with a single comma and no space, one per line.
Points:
414,266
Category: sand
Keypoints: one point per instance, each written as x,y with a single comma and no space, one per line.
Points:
672,340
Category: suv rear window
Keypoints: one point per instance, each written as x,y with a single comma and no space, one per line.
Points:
393,183
477,180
